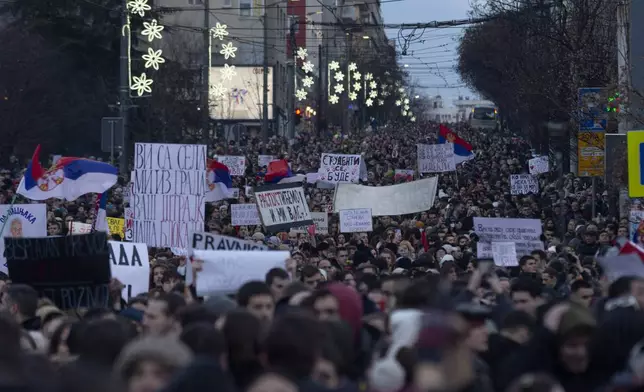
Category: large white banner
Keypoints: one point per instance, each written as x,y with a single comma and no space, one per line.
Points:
21,220
168,197
209,241
224,272
407,198
335,168
525,233
435,158
130,265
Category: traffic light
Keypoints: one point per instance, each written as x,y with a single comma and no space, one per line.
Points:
298,116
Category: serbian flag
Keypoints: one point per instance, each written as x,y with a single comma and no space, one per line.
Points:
632,248
279,172
462,149
219,181
68,179
100,223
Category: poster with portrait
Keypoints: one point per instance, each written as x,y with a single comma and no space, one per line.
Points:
21,220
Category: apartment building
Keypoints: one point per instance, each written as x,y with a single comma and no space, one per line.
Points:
247,21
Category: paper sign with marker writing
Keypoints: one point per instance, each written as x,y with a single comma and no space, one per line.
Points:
525,233
116,226
79,228
523,184
321,221
20,221
209,241
169,193
244,215
357,220
236,164
504,254
335,168
225,272
130,265
264,160
73,271
282,206
435,158
538,165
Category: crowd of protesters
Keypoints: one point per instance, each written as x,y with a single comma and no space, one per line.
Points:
406,307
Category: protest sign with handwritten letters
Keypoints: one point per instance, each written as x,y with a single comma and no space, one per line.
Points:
168,196
356,220
538,165
236,164
504,254
130,265
525,233
523,184
435,158
244,215
282,206
116,226
336,168
19,221
321,221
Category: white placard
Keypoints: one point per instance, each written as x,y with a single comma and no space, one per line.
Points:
21,220
539,165
79,228
504,254
336,168
401,199
283,206
523,184
321,221
357,220
131,266
128,214
169,193
244,215
435,158
525,233
236,164
209,241
224,272
264,160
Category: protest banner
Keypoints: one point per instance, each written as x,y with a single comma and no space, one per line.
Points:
282,206
321,221
224,272
401,199
357,220
21,220
538,165
128,213
236,164
435,158
505,254
130,265
169,193
116,226
618,266
73,271
79,228
401,174
335,168
244,215
209,241
264,160
523,184
525,233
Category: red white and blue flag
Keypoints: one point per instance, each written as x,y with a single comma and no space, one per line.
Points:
220,183
462,149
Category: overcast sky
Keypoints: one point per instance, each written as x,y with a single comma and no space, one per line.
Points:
432,55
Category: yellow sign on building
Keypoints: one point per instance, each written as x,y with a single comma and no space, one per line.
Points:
590,154
635,143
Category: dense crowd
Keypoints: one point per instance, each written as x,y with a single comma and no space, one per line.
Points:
406,307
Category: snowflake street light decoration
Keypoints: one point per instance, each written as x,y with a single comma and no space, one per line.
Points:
338,88
381,102
219,91
404,113
357,86
353,96
412,119
302,53
339,76
227,72
369,102
219,31
373,94
142,84
153,59
373,85
152,30
353,67
333,99
138,7
307,81
300,94
398,103
368,76
406,107
357,75
228,50
334,66
307,67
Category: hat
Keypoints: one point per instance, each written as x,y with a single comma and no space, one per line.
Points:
48,310
398,271
274,241
258,237
576,318
446,258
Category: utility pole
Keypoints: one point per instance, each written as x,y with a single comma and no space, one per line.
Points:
321,84
346,113
265,86
205,94
124,90
291,63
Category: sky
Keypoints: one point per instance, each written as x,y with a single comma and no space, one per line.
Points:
431,56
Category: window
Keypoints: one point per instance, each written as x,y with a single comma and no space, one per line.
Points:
228,3
245,7
195,2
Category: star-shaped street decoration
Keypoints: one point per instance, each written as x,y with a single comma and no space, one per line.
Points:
307,67
152,30
357,75
398,102
339,76
404,113
369,102
406,101
333,99
357,86
153,58
218,90
138,7
412,119
307,82
219,31
373,94
228,50
300,95
141,84
338,88
373,85
368,76
353,96
227,72
381,102
353,67
302,53
334,65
